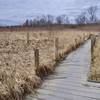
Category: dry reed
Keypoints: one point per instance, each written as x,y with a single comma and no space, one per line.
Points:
18,75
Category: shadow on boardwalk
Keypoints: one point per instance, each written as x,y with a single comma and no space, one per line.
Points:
69,81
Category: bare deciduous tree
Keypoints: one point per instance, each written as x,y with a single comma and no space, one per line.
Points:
62,19
67,21
50,19
59,20
26,23
42,20
91,14
81,19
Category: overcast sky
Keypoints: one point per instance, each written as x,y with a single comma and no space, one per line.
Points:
16,11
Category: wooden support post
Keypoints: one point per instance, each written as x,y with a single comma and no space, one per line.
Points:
28,38
36,55
56,42
93,39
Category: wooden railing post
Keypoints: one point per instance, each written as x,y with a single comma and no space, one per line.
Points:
56,42
28,38
36,55
93,39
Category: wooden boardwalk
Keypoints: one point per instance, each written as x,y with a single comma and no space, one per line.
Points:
69,82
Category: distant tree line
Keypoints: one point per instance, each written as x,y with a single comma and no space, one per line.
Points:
86,17
47,20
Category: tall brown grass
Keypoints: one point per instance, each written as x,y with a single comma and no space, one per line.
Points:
18,75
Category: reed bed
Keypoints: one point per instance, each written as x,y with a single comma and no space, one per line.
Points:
18,75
